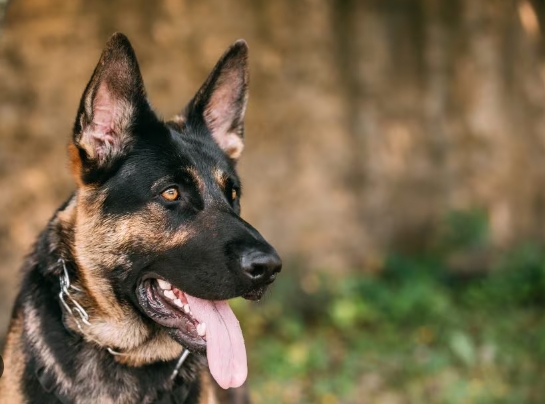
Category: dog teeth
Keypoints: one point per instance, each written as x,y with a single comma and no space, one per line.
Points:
170,294
187,309
164,284
201,329
178,303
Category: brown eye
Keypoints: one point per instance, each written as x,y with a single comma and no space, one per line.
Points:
234,194
170,194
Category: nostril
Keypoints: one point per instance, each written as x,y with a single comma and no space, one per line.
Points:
260,266
256,271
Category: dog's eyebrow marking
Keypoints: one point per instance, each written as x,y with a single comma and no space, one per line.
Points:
161,182
200,183
221,177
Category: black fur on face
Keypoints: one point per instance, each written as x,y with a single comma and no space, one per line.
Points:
162,199
206,261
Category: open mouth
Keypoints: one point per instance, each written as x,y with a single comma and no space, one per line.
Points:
200,326
169,307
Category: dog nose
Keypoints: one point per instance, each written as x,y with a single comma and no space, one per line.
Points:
261,267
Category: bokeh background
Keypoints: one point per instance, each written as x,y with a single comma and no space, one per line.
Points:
395,156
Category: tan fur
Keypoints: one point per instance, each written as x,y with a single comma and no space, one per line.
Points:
10,389
75,163
67,217
126,334
196,176
220,177
100,393
113,325
208,391
33,330
160,346
66,383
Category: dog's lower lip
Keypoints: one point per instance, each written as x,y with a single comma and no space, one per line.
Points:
159,308
255,294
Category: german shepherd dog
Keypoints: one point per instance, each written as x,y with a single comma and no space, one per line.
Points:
124,297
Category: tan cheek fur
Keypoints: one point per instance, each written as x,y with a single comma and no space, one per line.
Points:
111,241
159,347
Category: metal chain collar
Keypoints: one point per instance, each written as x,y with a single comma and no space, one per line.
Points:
65,296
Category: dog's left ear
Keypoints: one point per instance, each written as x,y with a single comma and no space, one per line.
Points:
221,101
110,104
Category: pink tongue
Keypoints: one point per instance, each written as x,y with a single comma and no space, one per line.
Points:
224,341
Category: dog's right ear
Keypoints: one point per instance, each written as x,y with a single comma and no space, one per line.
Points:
111,102
221,101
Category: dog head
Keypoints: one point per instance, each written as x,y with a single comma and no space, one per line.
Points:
158,231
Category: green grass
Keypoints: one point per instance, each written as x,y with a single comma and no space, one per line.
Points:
414,333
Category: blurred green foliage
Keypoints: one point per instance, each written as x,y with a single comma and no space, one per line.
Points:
415,332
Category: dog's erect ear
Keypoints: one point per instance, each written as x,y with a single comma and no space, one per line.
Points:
222,99
113,98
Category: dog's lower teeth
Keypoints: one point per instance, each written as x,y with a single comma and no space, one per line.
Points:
201,329
187,309
178,303
164,284
170,294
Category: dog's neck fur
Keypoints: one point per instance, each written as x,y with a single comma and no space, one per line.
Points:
75,364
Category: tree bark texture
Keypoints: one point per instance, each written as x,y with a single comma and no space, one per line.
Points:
368,121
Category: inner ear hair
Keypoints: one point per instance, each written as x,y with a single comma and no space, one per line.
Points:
110,102
221,101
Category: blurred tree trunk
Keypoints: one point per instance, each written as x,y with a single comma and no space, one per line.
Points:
378,117
444,105
359,121
3,7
